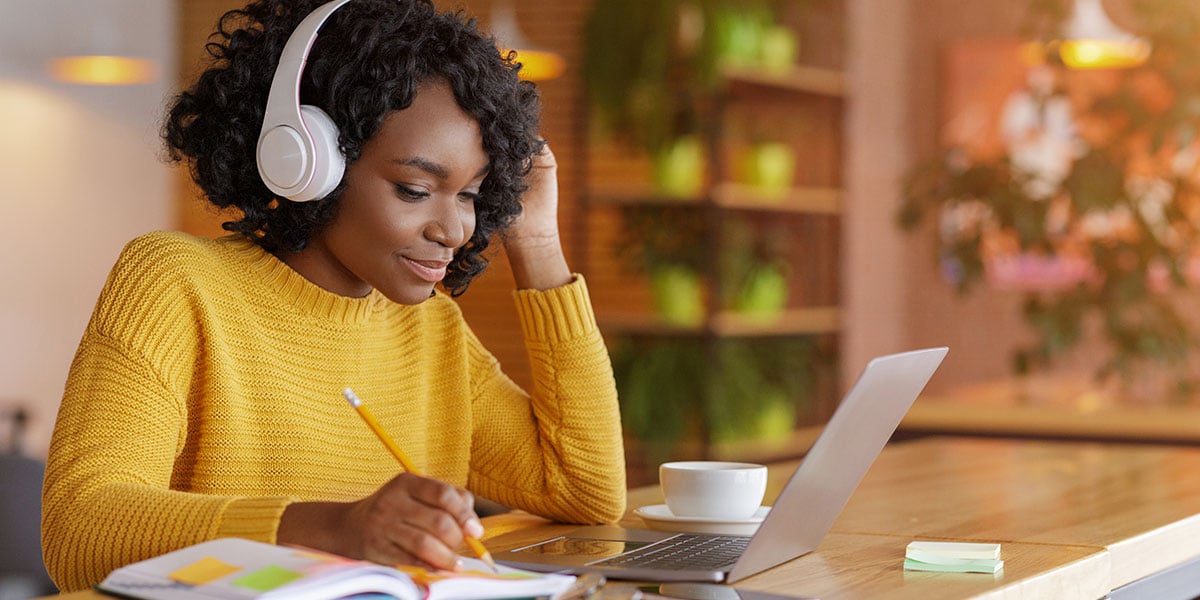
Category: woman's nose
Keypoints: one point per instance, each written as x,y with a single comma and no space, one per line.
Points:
448,225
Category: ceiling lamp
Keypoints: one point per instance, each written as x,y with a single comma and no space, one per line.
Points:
536,64
97,48
1092,41
103,70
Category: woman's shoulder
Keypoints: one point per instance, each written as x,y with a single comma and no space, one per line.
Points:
163,260
161,246
145,286
167,252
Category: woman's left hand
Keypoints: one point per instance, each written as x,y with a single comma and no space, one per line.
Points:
532,242
538,222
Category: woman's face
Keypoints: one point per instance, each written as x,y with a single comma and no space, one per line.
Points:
409,204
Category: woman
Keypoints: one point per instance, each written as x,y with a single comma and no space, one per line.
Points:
205,398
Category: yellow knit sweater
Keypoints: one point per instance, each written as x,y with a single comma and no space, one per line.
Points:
206,396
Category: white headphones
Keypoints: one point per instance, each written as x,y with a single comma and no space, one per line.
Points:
298,156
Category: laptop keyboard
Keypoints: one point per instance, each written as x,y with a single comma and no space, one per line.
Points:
684,552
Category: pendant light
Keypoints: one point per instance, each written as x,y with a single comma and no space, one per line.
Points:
97,50
1092,41
536,64
103,69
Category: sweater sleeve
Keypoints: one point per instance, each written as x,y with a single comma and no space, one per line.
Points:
106,499
556,451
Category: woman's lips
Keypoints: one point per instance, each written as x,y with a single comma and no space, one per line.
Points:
432,271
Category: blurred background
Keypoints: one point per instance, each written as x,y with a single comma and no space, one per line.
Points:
763,194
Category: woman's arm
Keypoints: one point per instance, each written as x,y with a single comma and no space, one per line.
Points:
556,451
106,500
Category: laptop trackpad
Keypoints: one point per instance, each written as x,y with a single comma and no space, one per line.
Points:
585,545
613,533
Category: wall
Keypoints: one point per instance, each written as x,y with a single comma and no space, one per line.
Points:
79,176
895,296
983,327
878,149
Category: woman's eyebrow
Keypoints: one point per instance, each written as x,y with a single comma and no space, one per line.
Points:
437,170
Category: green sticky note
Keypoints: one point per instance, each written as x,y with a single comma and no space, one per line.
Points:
267,578
966,566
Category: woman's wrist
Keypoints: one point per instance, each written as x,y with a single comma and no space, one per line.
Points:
316,525
538,262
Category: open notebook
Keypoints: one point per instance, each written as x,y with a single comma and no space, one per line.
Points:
234,568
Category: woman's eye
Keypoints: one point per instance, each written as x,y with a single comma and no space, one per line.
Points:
469,197
411,193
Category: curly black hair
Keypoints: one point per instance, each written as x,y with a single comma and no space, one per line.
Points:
367,61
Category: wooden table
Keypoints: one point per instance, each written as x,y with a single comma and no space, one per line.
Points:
1075,520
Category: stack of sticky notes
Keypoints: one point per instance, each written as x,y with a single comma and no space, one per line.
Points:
953,557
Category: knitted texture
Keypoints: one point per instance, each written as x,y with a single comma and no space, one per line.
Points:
206,396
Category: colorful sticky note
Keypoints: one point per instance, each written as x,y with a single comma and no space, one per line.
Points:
267,578
203,571
979,565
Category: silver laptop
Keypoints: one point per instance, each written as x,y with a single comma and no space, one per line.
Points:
801,516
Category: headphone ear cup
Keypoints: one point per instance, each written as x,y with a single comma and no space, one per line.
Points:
328,165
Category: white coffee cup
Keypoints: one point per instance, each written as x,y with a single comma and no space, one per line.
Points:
709,489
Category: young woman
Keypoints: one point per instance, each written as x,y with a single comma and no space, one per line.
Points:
205,398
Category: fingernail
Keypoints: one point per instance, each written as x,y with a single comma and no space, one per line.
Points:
474,528
458,565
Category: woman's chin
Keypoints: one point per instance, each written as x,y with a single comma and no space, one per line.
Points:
409,294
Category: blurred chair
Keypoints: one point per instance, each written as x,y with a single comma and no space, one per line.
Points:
22,573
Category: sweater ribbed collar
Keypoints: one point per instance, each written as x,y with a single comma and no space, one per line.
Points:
296,291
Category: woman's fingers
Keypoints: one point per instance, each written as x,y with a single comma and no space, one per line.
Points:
414,519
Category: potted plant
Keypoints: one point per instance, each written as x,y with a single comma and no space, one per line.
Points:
652,68
753,269
679,389
667,244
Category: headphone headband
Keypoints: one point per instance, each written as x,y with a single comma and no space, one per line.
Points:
297,151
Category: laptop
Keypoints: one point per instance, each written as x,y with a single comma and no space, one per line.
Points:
801,516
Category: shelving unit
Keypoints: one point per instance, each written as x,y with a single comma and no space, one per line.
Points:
729,195
803,108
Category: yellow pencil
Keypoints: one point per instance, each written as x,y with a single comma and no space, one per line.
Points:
365,413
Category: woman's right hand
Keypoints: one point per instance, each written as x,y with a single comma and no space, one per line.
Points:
409,520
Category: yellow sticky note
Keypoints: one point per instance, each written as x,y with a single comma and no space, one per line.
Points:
203,571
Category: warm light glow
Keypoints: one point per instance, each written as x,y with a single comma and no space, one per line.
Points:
103,70
1092,41
538,65
1104,54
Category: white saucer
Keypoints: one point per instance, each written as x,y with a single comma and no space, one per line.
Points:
658,516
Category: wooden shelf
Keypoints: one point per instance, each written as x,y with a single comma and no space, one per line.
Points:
730,195
798,79
724,226
817,200
635,194
761,451
793,321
